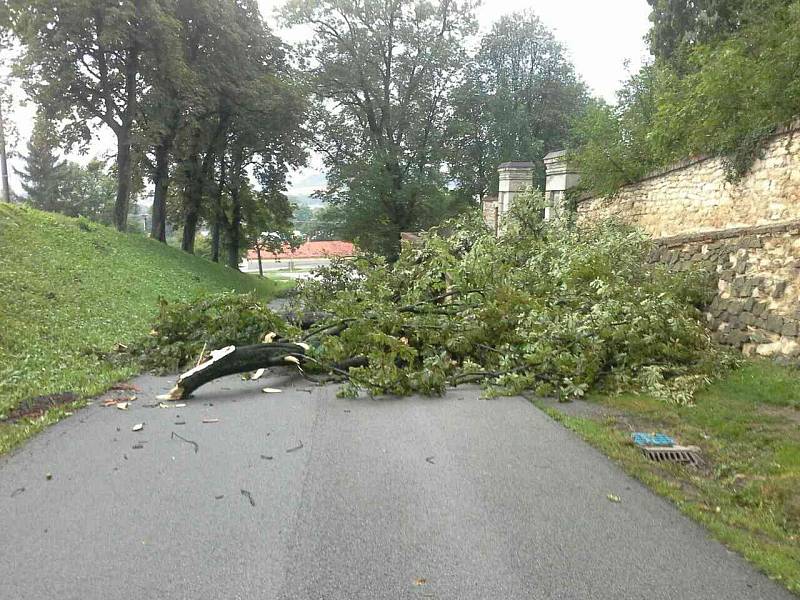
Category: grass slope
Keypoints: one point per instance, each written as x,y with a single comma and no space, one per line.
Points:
70,290
748,427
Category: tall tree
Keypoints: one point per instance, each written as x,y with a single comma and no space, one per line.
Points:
677,26
516,102
5,189
246,126
43,176
83,61
381,73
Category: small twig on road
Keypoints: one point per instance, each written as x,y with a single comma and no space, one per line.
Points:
195,444
249,496
295,448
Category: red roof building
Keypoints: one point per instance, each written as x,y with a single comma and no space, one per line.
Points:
309,250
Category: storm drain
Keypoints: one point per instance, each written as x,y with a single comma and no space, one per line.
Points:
659,447
687,455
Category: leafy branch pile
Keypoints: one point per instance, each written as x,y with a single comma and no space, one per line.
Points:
184,329
547,308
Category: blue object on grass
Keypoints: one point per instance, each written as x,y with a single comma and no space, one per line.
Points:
654,439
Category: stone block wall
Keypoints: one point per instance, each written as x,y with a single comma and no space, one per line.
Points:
693,196
756,271
746,234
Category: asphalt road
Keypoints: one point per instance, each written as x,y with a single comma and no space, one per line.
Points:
302,495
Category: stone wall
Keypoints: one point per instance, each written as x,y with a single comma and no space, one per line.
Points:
747,235
756,271
694,196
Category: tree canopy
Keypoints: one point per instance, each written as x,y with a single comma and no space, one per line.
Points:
199,95
516,101
731,88
380,73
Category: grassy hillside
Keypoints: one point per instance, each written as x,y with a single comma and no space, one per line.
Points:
71,289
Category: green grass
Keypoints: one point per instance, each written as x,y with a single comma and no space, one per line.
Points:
748,427
71,290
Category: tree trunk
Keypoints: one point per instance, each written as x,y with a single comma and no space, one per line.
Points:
161,179
124,133
258,253
6,197
158,228
232,245
215,233
190,219
231,360
233,227
124,172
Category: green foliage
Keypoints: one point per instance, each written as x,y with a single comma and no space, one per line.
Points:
728,95
557,310
184,328
71,289
678,26
380,73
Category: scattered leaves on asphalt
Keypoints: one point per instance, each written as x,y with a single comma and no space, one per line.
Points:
137,427
265,457
48,476
127,387
17,491
614,498
429,459
420,581
257,375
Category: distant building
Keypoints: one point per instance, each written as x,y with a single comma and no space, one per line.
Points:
306,256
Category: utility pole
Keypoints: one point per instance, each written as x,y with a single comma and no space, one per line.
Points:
6,197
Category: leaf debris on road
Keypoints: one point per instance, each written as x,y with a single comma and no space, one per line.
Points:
614,498
17,491
429,459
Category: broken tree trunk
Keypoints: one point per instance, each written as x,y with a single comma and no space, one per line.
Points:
231,360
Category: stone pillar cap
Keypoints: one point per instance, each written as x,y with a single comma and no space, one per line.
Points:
554,155
516,165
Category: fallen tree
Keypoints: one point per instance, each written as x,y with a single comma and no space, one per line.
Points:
548,307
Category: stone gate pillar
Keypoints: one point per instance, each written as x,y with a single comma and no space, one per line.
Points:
561,176
515,177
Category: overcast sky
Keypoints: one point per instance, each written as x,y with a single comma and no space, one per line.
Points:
599,37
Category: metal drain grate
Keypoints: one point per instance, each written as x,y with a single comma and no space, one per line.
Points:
687,455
